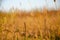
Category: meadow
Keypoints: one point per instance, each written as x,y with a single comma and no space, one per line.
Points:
33,25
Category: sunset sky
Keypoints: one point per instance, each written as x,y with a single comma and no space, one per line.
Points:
28,4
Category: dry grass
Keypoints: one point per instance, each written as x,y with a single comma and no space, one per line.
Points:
33,25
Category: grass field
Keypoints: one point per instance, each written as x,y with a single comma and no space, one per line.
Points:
33,25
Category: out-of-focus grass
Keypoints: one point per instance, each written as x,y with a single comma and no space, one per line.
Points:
39,25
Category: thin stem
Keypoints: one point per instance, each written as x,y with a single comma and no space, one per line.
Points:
25,30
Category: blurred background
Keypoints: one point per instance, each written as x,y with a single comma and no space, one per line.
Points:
29,4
